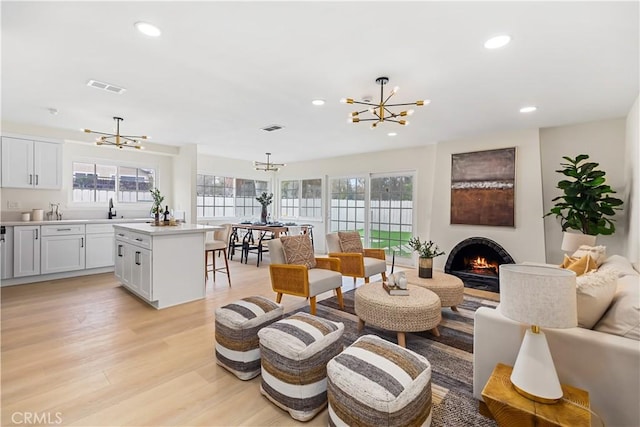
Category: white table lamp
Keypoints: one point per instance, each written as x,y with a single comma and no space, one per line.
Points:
572,241
540,297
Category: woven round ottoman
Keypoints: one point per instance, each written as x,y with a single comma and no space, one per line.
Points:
237,326
295,352
448,287
418,311
377,383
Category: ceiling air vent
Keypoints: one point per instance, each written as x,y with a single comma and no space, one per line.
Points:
105,86
271,128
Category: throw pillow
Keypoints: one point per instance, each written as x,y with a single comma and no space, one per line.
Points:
619,264
350,242
597,253
298,250
579,266
595,292
623,316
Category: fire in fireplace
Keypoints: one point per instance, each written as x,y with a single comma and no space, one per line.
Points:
476,261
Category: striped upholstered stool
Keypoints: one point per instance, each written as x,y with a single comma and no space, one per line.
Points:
295,352
375,382
237,326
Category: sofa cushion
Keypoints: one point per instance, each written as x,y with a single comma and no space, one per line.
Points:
350,242
623,316
595,292
579,266
597,253
298,250
620,264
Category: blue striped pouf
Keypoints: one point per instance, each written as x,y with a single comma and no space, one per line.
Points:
295,352
237,326
377,383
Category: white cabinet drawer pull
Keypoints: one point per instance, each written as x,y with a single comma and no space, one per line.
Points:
63,229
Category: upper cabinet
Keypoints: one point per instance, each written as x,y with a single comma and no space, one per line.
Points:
28,163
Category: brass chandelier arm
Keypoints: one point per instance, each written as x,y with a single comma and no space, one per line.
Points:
121,141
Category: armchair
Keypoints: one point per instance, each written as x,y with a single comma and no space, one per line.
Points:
300,280
356,261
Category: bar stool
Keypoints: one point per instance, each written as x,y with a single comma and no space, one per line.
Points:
219,243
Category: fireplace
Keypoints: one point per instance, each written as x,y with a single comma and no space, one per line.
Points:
476,261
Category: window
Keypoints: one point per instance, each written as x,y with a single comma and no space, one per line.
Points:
383,215
219,196
301,198
97,183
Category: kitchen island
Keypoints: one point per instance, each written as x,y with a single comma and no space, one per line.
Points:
163,265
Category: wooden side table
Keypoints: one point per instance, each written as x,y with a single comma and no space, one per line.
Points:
510,408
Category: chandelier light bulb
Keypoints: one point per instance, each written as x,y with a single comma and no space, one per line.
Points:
395,90
410,112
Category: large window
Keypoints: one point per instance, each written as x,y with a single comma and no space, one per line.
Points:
97,183
301,198
383,215
220,196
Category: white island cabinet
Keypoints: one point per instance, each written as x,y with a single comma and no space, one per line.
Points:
164,266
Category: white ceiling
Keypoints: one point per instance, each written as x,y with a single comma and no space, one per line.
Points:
222,70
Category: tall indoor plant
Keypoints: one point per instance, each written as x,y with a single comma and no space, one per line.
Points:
586,204
265,200
427,251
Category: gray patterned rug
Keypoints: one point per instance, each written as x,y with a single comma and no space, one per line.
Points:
450,355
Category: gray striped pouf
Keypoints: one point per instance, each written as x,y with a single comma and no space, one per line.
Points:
375,382
295,352
237,326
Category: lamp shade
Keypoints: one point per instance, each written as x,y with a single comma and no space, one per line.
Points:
572,241
537,295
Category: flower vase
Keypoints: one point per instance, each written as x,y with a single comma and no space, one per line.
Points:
263,215
425,268
157,218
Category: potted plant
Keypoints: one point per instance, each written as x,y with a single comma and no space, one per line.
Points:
427,251
586,204
156,208
265,200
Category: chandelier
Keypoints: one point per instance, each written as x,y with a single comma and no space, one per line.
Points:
268,166
380,111
118,140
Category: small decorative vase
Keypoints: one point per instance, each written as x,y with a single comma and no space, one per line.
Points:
425,268
263,214
391,280
401,280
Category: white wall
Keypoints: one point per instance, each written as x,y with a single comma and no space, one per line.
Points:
84,151
524,242
632,177
184,181
604,142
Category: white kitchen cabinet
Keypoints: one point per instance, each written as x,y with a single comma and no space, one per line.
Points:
99,246
133,265
26,250
141,274
31,164
62,248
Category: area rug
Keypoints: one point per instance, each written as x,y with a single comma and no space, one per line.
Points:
450,355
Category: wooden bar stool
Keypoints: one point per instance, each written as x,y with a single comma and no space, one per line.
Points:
217,245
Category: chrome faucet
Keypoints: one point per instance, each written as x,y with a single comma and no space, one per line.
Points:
111,214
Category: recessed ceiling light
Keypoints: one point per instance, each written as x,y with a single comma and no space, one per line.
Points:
392,134
497,41
318,102
147,29
529,109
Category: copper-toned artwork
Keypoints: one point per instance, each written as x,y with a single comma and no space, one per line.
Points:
482,187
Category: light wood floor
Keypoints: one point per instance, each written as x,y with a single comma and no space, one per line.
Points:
85,352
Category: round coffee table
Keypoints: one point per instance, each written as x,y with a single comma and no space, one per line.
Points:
448,287
418,311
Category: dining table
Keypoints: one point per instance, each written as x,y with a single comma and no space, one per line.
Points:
250,236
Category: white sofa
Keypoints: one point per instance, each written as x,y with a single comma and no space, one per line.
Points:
604,364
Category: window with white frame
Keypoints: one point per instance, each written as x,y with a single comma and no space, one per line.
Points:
94,182
220,196
301,198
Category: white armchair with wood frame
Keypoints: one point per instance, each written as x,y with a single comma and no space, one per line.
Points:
297,272
356,261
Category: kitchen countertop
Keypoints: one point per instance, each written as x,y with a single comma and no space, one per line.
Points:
79,221
154,230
